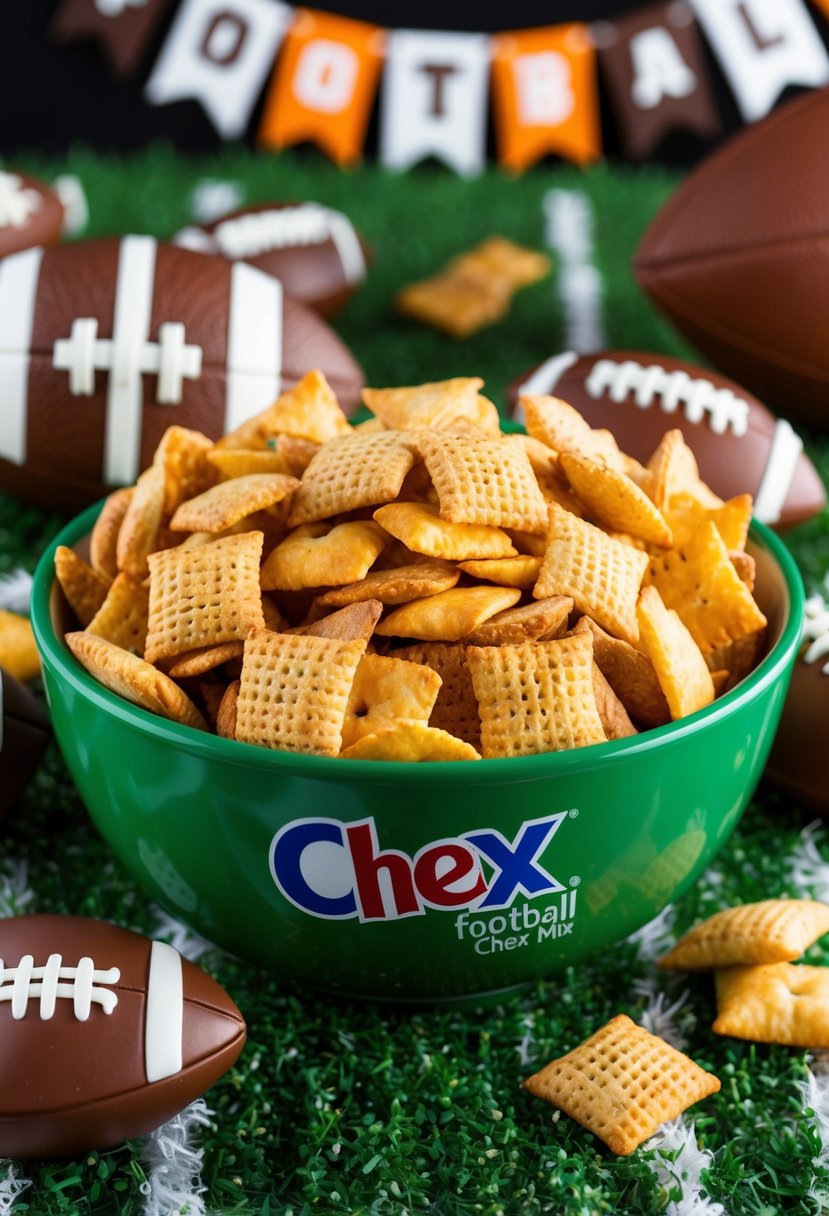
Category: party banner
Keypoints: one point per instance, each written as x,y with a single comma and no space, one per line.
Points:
545,95
652,63
219,52
122,28
763,46
324,85
434,99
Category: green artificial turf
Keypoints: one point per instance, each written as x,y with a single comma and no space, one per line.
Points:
349,1108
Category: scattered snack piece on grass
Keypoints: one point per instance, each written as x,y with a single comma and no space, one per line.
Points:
772,931
474,289
776,1003
18,652
622,1083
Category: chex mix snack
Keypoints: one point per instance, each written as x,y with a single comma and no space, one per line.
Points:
419,586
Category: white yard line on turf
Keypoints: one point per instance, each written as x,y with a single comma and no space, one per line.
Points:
685,1171
11,1186
809,874
16,591
568,218
808,869
15,892
188,944
174,1165
815,1096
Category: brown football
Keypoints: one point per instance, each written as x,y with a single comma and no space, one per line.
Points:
315,251
30,212
799,760
108,342
740,447
104,1035
737,258
24,733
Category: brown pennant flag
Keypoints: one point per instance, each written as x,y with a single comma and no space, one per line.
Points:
652,63
123,28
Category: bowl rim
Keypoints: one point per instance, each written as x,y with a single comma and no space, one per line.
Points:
57,658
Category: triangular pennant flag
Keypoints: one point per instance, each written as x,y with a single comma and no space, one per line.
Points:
651,60
123,28
219,52
434,99
324,85
545,95
762,46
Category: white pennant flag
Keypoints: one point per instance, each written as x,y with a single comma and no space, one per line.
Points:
763,46
219,51
435,99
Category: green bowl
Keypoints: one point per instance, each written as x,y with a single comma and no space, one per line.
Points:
416,882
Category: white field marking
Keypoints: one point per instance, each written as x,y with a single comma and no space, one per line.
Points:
685,1171
569,233
16,591
525,1043
212,198
816,631
174,1165
177,935
11,1187
15,892
70,191
814,1093
666,1018
808,868
656,937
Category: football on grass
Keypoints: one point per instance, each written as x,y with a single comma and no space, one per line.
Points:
104,1035
30,213
737,258
108,342
313,249
739,445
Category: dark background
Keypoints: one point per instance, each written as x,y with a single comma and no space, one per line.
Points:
53,96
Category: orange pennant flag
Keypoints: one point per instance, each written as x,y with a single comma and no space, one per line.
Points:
545,95
324,85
